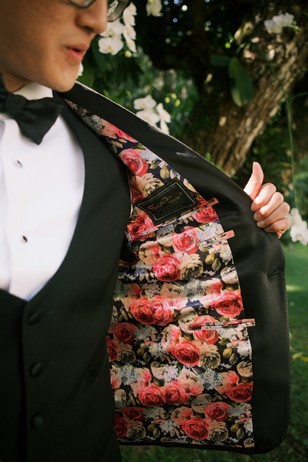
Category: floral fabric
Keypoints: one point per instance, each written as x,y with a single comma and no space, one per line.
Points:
179,348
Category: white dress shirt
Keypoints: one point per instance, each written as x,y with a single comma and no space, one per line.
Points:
41,189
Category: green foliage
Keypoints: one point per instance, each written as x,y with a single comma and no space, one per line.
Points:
282,165
241,83
300,189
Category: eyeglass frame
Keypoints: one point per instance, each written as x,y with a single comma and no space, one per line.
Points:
115,12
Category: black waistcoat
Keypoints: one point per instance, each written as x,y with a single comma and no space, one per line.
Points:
56,402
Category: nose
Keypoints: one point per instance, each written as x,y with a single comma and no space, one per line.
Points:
93,18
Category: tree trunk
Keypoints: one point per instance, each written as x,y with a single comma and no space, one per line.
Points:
229,140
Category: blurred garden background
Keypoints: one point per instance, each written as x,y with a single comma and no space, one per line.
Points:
229,78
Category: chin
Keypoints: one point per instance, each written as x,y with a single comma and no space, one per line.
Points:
63,81
63,86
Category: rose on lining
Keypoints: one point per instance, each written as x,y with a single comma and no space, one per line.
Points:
196,429
167,268
175,393
151,396
134,161
228,304
186,353
217,411
240,393
124,331
187,241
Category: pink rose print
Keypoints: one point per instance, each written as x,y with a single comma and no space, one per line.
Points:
228,304
167,268
142,312
241,393
187,241
124,331
170,337
120,426
213,286
137,195
181,415
196,429
149,254
133,413
175,394
217,411
186,353
134,161
111,131
152,396
144,376
209,336
139,226
115,380
162,312
230,379
154,311
190,382
135,289
112,348
207,215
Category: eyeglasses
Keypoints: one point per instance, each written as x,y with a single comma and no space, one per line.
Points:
115,7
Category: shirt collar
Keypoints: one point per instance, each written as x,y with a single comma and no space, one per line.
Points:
34,91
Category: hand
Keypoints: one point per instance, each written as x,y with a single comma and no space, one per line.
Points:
270,209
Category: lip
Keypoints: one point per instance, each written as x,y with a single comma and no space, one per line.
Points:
76,52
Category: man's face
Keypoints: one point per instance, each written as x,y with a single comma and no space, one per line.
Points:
44,41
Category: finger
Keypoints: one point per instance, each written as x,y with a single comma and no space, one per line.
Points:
264,196
279,227
255,181
281,213
275,204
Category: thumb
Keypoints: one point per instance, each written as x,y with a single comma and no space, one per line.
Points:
255,181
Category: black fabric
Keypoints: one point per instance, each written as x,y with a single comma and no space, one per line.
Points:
34,118
12,411
258,258
69,405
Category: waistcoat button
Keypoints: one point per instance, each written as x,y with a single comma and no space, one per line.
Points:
33,318
36,369
37,421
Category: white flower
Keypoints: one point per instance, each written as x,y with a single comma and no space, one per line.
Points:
285,20
112,38
154,7
164,118
272,27
114,29
152,112
129,15
130,37
111,41
148,116
299,228
110,45
145,103
80,71
277,23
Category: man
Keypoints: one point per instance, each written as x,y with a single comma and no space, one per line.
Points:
60,240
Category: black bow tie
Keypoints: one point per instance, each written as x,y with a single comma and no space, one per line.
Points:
34,117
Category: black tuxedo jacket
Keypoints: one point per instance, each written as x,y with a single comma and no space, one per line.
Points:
56,400
169,184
